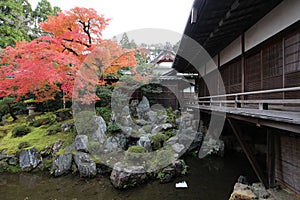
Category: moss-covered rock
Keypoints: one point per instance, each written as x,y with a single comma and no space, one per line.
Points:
63,114
157,140
136,149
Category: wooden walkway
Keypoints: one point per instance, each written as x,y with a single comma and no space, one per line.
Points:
286,120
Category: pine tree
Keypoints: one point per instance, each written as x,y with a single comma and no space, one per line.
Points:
14,21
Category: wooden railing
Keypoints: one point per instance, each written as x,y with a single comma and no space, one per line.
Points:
239,100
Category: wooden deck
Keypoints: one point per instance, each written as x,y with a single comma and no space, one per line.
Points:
286,120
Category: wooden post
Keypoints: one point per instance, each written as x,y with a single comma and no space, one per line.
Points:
271,158
236,130
243,66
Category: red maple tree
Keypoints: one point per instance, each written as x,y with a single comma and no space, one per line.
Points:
50,64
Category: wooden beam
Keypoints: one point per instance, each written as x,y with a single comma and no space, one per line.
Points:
271,158
237,132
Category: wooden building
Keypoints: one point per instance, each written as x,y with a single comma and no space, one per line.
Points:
254,47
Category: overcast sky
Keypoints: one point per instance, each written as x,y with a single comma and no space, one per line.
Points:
130,15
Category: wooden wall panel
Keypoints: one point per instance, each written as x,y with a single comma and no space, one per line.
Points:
287,169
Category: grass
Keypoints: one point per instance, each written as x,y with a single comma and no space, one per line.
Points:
37,138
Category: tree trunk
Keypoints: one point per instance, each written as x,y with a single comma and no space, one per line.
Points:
11,112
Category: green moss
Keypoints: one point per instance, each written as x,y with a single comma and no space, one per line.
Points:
136,149
23,145
30,101
54,129
63,110
38,138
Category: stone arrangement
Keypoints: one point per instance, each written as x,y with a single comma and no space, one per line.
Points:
138,144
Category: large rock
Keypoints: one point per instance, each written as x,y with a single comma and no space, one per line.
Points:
115,143
81,143
175,169
99,134
85,165
178,148
124,176
250,192
62,164
143,108
151,116
29,159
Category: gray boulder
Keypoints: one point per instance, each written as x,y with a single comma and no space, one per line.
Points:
141,122
115,143
85,165
3,154
175,169
152,116
145,142
156,129
62,164
143,108
178,148
29,159
67,126
124,176
56,147
81,143
99,134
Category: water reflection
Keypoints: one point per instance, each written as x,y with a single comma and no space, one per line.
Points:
208,179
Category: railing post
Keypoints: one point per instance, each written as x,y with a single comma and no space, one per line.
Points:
237,103
263,106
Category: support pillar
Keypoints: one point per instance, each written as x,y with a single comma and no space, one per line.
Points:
237,132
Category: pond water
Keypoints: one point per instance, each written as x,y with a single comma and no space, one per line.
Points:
210,178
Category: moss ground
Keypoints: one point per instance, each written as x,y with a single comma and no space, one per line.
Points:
37,138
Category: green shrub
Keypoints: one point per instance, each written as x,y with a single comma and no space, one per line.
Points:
114,128
157,140
20,130
105,113
169,133
48,118
136,149
171,116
